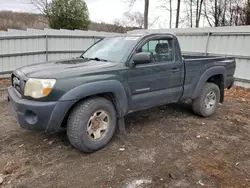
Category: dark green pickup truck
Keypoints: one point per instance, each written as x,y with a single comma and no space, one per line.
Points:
90,95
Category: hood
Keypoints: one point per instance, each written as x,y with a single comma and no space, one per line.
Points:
63,68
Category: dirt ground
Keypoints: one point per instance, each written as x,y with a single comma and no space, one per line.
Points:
166,146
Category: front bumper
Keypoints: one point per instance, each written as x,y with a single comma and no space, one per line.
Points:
38,116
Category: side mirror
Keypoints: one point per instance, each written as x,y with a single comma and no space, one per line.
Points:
142,58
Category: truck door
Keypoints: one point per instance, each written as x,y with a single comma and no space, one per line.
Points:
160,81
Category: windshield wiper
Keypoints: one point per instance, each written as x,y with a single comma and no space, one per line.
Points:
97,59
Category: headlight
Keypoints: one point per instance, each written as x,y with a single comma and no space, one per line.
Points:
38,88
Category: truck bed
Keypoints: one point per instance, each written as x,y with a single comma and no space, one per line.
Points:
197,63
196,66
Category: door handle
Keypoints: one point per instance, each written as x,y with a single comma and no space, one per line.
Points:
174,70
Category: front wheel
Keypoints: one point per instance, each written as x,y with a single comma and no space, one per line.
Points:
207,102
91,124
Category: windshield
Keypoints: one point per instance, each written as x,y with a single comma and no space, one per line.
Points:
111,49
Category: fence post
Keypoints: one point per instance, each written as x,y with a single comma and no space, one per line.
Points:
46,50
208,36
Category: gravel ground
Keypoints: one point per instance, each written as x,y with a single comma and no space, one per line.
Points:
166,146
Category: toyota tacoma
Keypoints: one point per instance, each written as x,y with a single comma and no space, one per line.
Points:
89,96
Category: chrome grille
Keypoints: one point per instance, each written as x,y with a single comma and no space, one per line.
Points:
16,83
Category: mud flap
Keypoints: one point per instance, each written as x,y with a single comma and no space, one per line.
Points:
121,126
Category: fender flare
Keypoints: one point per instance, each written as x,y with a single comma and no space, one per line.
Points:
205,76
99,87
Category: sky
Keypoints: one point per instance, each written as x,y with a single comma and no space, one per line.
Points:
101,10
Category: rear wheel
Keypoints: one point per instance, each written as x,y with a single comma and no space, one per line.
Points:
207,102
92,124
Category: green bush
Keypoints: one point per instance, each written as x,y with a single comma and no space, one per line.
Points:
67,14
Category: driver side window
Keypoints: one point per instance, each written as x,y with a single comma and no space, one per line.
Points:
161,49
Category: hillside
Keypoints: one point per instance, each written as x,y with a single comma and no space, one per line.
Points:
21,20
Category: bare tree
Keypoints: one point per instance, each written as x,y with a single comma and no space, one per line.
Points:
216,12
151,23
199,4
213,12
226,12
146,10
178,13
134,20
238,13
194,9
191,13
248,13
170,13
131,19
167,5
41,5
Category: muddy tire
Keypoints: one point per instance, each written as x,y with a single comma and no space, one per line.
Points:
207,102
91,124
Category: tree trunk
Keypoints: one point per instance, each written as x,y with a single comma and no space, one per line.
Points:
231,14
223,22
248,13
178,13
198,13
170,13
216,17
146,14
191,13
206,15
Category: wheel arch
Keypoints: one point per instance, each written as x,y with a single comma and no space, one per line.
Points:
214,75
111,90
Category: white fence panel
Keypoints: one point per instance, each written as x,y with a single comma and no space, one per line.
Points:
20,48
221,41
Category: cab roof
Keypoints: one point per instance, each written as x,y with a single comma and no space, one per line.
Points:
144,34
